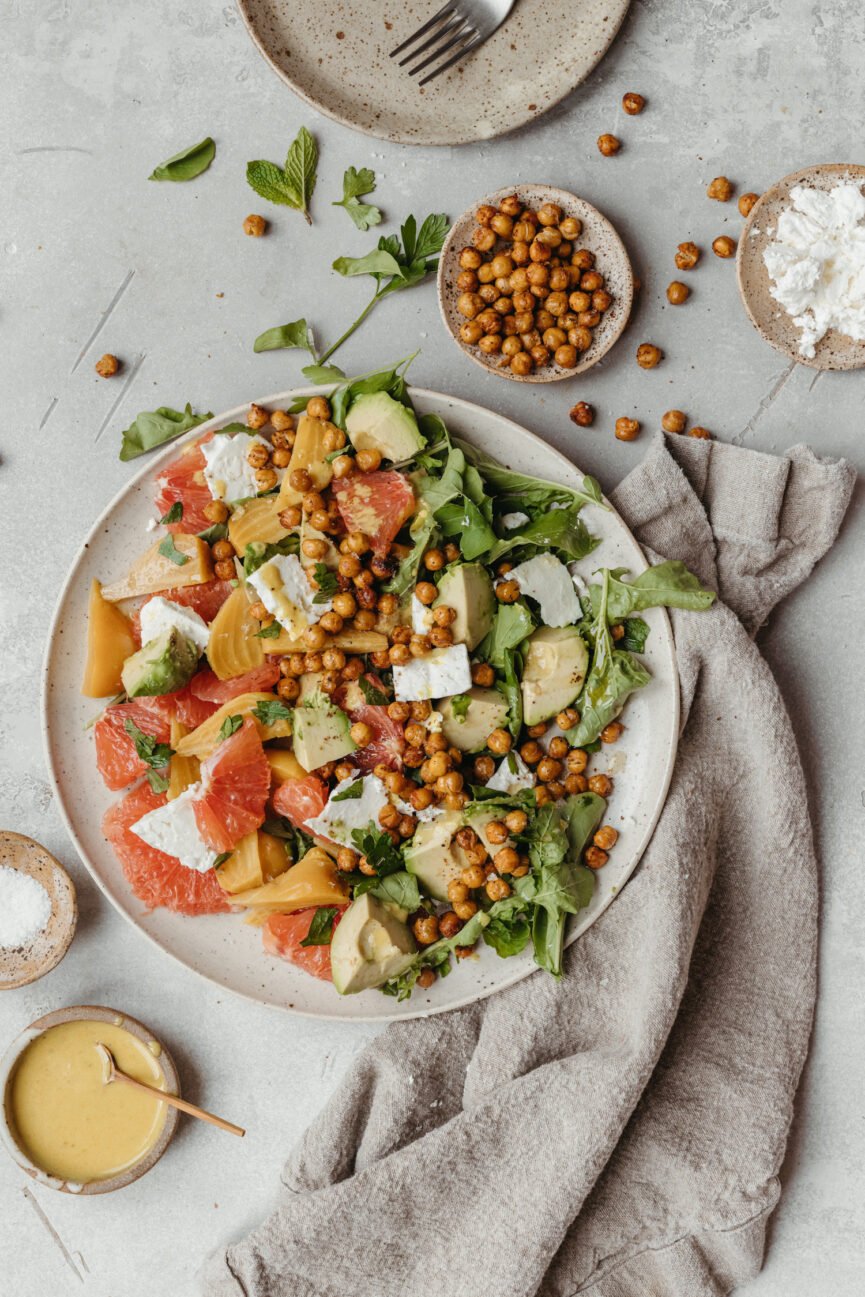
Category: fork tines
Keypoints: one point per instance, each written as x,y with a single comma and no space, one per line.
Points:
449,32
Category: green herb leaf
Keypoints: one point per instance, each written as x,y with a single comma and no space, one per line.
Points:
352,793
613,676
559,884
153,754
438,955
399,889
300,168
174,514
508,931
271,710
323,374
321,929
560,529
211,535
159,783
168,549
296,335
354,185
230,726
512,624
257,552
326,582
273,631
188,164
510,687
154,428
371,695
376,846
667,585
221,858
460,704
518,491
430,240
377,263
635,636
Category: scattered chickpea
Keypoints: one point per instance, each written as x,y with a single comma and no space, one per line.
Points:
484,768
531,752
318,407
687,256
107,366
677,293
342,466
747,203
601,784
578,759
465,910
257,416
627,429
648,355
483,674
507,591
266,478
576,784
724,246
702,434
595,858
426,592
426,929
224,570
609,145
633,103
516,821
254,226
613,732
315,637
497,889
606,837
497,831
426,976
281,421
499,742
567,719
674,421
720,189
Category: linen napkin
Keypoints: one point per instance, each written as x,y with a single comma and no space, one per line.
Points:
619,1132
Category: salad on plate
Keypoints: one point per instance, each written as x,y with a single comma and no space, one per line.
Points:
357,683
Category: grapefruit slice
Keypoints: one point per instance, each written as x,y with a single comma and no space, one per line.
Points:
300,800
388,739
207,686
157,878
116,759
375,503
189,709
283,933
235,784
182,482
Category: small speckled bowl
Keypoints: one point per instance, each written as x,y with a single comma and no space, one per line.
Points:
598,236
27,963
169,1078
835,350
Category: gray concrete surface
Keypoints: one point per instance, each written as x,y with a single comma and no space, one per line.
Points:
94,259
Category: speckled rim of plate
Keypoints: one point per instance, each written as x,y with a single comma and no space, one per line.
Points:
97,1013
574,40
654,711
21,966
835,350
598,235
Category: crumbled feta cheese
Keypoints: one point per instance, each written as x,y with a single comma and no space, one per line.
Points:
510,521
434,722
227,472
546,579
438,674
172,828
160,615
339,818
286,591
580,585
421,616
428,813
512,775
151,524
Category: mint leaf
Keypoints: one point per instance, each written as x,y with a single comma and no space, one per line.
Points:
188,164
321,929
354,185
175,513
399,889
218,531
297,334
270,181
269,711
300,168
154,428
168,549
156,755
350,794
230,726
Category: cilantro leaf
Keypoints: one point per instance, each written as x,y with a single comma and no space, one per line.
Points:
375,845
296,335
230,726
174,514
271,710
153,754
154,428
349,794
321,928
355,184
168,549
187,164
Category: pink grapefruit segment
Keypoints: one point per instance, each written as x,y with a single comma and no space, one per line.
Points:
182,482
376,503
300,800
116,758
235,784
283,933
207,686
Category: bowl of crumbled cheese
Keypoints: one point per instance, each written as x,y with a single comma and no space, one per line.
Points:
38,911
801,266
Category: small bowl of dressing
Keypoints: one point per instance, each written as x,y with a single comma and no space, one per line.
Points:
62,1123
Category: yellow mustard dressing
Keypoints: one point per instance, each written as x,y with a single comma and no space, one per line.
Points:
66,1119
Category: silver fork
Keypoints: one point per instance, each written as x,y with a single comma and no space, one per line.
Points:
455,31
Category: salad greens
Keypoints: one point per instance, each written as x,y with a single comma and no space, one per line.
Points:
355,185
154,428
293,184
187,164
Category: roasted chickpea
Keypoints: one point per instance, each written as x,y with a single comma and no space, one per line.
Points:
467,281
627,429
516,821
532,752
724,246
677,293
612,732
606,837
215,511
687,256
342,466
703,434
257,416
502,224
483,238
747,202
595,858
601,300
550,236
470,259
488,294
570,227
224,570
582,414
566,356
368,460
497,889
507,592
580,337
589,319
567,719
557,302
540,252
223,549
426,930
485,214
465,910
648,355
484,768
576,784
602,785
720,189
537,274
449,924
549,769
470,305
609,145
318,407
490,321
540,356
426,592
633,103
674,421
497,832
520,254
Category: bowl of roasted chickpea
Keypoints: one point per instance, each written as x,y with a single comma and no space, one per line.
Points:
534,284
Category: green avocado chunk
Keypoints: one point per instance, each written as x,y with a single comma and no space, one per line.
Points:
375,421
469,591
370,945
486,711
555,668
432,856
320,732
162,666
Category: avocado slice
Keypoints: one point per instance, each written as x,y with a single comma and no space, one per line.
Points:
375,421
162,666
431,856
369,946
555,668
468,589
320,732
487,711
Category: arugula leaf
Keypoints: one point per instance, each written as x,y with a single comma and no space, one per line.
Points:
326,582
508,931
355,184
667,585
438,955
463,518
321,929
613,676
188,164
635,636
154,428
375,845
460,704
293,184
399,889
153,754
512,624
510,687
174,514
434,493
559,884
230,726
168,549
257,552
271,710
273,631
371,695
518,491
352,793
323,374
560,529
296,335
390,380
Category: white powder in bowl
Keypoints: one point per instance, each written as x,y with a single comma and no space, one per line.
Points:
817,262
25,908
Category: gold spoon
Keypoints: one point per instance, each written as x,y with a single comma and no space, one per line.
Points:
111,1072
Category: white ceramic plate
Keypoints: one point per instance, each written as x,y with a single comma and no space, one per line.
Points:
222,947
335,55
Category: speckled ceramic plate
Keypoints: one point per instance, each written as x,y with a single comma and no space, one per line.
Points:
335,55
222,947
27,963
835,350
598,236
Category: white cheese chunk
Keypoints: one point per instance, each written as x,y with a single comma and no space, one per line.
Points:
286,591
438,674
421,616
340,817
160,615
510,521
512,775
172,828
228,473
428,813
546,579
